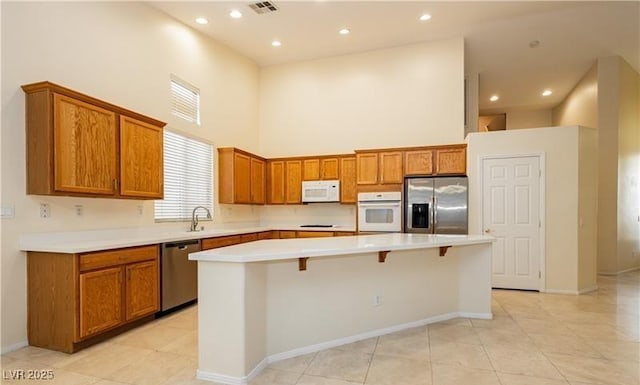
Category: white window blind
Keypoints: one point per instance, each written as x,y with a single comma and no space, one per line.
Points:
188,177
185,100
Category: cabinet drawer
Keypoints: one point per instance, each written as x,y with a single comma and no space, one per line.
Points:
213,243
284,234
314,234
343,233
266,235
248,237
100,259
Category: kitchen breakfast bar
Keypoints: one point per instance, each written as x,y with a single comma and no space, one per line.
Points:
270,300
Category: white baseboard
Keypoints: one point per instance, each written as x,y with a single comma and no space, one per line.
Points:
229,380
14,347
614,273
571,292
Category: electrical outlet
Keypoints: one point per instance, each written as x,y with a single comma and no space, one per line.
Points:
377,300
79,210
140,210
45,211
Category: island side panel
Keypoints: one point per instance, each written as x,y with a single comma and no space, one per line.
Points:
475,279
334,298
225,322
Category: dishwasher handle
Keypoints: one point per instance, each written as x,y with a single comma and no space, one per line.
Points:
182,245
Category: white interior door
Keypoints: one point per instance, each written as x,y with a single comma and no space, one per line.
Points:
511,213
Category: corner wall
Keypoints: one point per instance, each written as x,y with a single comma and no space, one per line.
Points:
564,239
122,53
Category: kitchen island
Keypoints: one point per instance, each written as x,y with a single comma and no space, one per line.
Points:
266,301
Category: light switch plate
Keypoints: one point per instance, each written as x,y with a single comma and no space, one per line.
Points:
7,212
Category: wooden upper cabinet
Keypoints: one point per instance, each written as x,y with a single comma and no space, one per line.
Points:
451,161
311,169
81,146
293,181
348,193
258,183
85,147
367,168
391,168
275,182
329,168
418,162
241,177
141,159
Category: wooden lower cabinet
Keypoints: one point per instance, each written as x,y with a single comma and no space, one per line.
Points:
141,289
72,298
100,300
314,234
214,243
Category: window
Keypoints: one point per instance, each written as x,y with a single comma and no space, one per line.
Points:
188,177
185,100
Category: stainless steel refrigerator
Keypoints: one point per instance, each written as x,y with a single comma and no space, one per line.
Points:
435,205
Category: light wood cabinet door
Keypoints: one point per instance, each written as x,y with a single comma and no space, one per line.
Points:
100,300
293,181
141,159
311,169
418,162
276,182
329,169
142,289
257,181
241,178
287,234
367,168
452,161
85,147
391,168
348,191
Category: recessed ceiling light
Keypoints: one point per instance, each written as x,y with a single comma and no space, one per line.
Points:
546,92
276,43
344,31
235,14
425,17
493,98
202,20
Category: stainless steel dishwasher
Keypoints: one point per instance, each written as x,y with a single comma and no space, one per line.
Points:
179,274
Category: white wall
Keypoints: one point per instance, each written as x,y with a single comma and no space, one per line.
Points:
628,168
561,146
608,98
122,53
404,96
517,119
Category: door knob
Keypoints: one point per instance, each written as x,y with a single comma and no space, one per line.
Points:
487,231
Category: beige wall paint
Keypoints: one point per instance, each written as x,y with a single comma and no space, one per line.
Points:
122,53
580,107
628,168
608,98
587,208
560,147
517,119
402,96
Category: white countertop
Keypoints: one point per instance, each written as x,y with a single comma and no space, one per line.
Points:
279,249
95,240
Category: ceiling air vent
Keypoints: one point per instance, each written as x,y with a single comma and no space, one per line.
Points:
263,7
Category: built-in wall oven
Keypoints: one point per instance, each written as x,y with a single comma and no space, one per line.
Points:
380,211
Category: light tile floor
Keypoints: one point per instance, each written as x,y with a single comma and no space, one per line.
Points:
534,339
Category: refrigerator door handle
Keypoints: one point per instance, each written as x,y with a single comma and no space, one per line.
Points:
434,222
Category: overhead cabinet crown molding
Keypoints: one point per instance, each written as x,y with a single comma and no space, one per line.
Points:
78,145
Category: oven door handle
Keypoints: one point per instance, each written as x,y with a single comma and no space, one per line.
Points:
379,204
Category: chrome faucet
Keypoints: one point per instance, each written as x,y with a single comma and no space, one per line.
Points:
194,217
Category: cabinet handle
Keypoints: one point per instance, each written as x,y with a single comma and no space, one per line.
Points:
115,185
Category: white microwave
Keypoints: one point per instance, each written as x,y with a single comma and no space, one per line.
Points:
321,191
